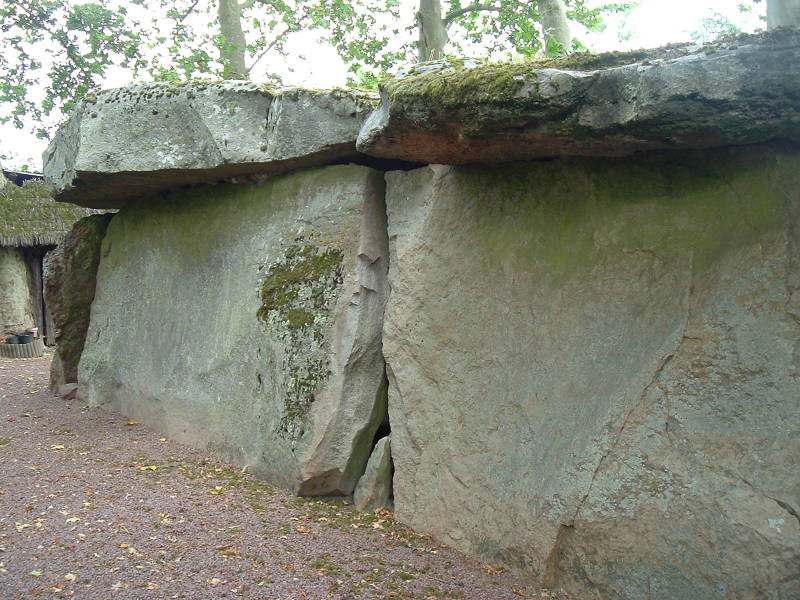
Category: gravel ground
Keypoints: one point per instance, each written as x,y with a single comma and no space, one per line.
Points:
94,506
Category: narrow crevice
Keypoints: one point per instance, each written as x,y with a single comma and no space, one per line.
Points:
380,164
553,565
786,507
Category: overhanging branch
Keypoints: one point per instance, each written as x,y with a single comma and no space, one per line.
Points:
453,15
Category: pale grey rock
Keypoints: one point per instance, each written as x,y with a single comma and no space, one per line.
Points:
247,319
783,13
740,91
16,313
374,489
144,139
594,369
67,390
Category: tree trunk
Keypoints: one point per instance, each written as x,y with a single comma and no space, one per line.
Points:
432,33
232,45
783,13
557,39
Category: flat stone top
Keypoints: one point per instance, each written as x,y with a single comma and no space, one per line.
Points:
739,91
144,139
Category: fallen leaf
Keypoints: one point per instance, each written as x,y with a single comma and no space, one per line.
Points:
218,489
303,530
70,577
36,573
131,422
148,468
73,520
213,581
57,447
490,570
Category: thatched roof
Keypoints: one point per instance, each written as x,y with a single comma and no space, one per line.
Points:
20,177
30,217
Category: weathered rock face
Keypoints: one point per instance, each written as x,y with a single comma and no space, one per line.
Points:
141,140
593,369
374,489
15,301
783,13
247,318
743,91
70,274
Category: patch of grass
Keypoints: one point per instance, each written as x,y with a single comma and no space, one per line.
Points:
325,565
5,441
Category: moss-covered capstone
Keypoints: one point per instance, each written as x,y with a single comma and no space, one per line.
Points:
736,91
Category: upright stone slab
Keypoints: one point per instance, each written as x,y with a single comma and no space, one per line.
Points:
374,489
70,273
15,300
594,368
247,319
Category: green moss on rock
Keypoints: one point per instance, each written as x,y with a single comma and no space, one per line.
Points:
30,217
302,266
297,295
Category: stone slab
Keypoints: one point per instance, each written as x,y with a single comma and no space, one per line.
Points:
145,139
374,489
741,91
247,319
594,373
70,275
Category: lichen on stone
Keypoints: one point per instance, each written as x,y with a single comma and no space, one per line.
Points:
297,295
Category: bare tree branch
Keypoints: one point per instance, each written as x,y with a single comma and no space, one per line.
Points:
188,11
269,47
451,16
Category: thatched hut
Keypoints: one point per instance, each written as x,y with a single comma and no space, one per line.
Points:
31,224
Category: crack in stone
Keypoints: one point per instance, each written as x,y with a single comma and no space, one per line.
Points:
665,360
662,364
784,505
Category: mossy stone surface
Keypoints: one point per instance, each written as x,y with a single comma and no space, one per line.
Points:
737,91
597,378
15,298
70,276
224,318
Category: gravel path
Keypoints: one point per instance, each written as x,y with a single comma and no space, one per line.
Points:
94,506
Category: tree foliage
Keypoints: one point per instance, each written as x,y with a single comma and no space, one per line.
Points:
53,52
62,46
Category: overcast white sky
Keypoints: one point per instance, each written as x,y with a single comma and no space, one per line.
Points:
652,23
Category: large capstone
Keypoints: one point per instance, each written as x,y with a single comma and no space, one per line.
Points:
144,139
247,319
594,369
736,91
70,273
